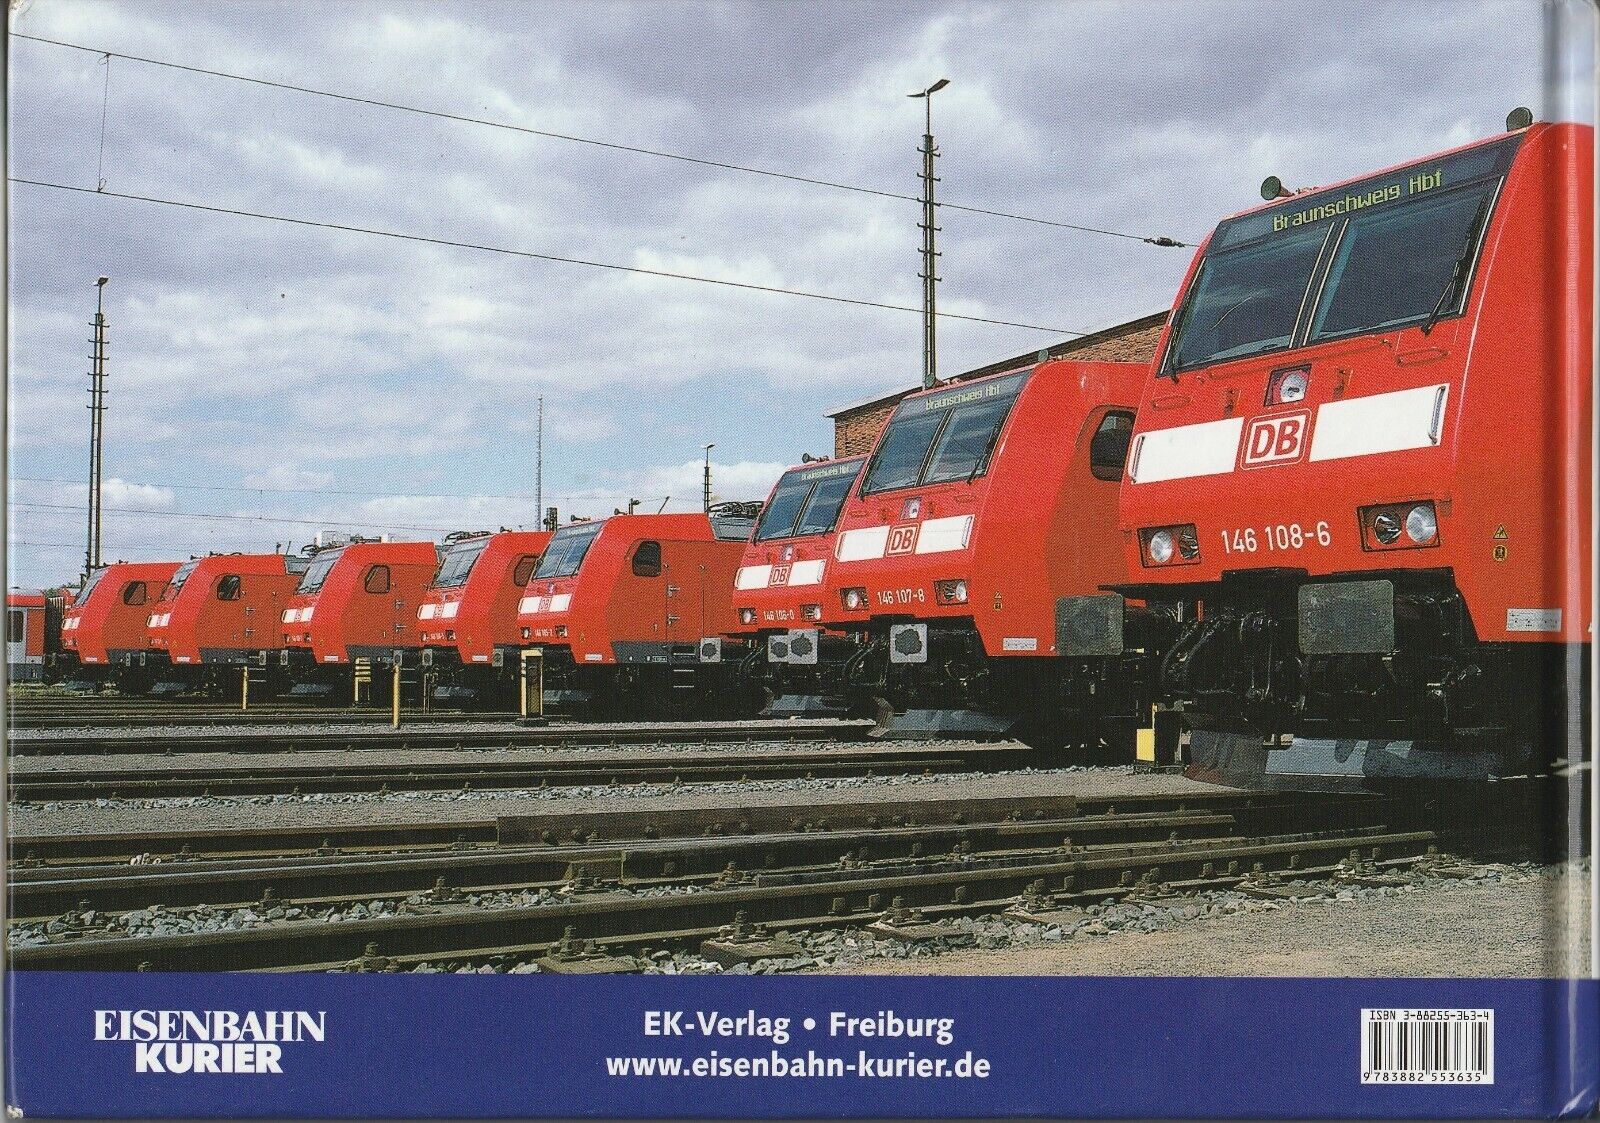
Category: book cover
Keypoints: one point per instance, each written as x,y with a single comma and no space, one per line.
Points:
806,559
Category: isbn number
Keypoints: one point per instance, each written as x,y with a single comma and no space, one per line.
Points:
1400,1046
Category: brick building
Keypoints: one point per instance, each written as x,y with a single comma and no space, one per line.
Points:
856,427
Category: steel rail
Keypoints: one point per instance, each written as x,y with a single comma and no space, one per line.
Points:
832,897
490,736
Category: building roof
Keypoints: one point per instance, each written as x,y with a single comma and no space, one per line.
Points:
1055,351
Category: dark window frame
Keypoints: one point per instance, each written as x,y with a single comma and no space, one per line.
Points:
227,591
128,591
531,561
645,568
1103,470
372,573
16,625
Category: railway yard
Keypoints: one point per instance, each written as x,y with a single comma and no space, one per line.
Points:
162,836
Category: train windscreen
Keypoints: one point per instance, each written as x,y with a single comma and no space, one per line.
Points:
1393,250
943,436
458,563
321,565
566,550
807,500
175,586
89,587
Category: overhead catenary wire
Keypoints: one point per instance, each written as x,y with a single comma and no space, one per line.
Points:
725,165
324,224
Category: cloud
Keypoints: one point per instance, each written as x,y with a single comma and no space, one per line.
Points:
250,353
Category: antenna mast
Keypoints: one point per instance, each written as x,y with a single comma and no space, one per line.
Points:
97,409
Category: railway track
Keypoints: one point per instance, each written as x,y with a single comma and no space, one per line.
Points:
325,774
99,713
111,742
666,881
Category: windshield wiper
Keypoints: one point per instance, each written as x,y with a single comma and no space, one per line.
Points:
1458,271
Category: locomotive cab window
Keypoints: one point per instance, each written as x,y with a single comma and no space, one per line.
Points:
1397,266
458,563
89,587
175,586
134,592
523,569
647,560
967,441
566,550
14,626
945,436
229,587
822,509
1108,448
377,579
321,565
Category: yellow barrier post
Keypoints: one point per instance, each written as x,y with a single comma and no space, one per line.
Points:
533,685
395,700
244,689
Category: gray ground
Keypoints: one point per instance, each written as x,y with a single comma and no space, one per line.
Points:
203,813
1512,921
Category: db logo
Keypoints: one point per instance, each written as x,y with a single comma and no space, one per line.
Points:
1276,440
902,539
780,575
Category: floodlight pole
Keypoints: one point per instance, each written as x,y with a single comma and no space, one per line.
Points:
707,499
97,409
930,276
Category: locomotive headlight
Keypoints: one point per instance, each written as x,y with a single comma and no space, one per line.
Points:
1288,386
1160,547
1422,526
950,592
747,616
853,599
811,611
1400,526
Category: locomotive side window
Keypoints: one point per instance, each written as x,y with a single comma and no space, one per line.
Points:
1396,266
377,579
1108,448
523,569
14,626
229,587
134,592
647,560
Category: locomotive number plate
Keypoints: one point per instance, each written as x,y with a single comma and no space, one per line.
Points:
1276,537
892,597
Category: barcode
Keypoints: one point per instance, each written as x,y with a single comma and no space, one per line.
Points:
1427,1046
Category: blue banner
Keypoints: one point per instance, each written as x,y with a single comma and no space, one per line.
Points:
418,1045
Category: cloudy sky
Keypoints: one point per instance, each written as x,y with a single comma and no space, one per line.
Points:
263,374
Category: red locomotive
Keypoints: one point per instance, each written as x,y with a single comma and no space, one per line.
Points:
632,610
1358,496
218,614
778,590
982,503
468,619
356,601
109,622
